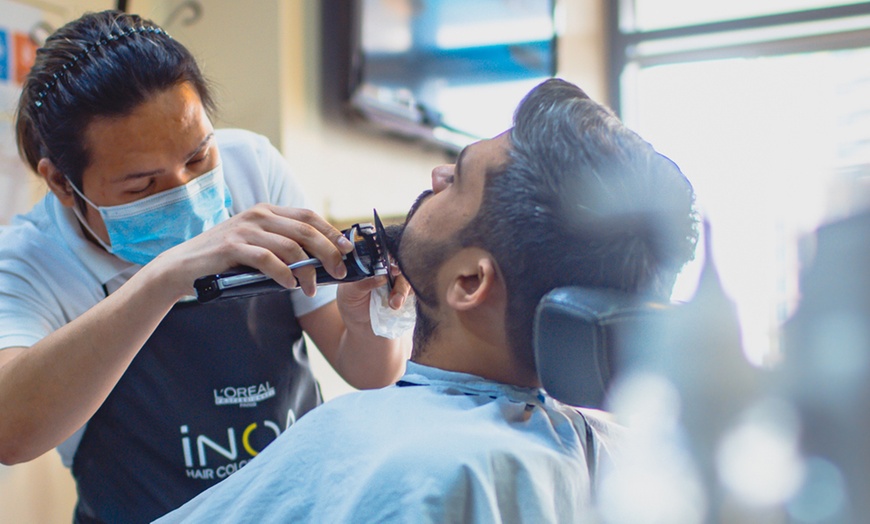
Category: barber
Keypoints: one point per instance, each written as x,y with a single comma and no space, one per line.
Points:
151,397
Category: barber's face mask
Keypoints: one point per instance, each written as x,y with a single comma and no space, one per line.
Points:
141,230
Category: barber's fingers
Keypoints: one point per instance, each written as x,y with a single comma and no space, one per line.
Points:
299,228
271,254
265,260
361,288
323,229
268,238
353,299
358,292
401,291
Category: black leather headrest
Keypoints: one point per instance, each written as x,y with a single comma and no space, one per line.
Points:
580,336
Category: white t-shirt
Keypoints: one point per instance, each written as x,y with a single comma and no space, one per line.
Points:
50,273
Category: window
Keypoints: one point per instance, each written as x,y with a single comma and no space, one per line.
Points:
766,108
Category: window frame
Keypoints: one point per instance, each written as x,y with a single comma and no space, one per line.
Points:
625,45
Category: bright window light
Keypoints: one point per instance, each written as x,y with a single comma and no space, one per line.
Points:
658,14
774,146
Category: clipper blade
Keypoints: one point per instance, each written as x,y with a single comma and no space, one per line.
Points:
382,243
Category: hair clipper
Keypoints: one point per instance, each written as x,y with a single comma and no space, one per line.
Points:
369,258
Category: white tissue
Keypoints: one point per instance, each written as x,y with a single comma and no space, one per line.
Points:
386,321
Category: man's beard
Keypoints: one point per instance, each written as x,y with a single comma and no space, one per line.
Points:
419,261
425,325
424,331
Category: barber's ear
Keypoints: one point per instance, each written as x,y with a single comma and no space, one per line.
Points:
57,183
475,280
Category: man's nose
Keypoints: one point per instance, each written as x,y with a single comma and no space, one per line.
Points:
442,177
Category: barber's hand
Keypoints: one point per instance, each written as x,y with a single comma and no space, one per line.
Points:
264,237
353,297
401,288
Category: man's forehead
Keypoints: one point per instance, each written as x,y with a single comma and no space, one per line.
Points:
491,153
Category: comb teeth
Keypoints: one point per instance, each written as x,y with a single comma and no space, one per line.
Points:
382,239
388,238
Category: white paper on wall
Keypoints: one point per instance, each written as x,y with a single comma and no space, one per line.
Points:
16,56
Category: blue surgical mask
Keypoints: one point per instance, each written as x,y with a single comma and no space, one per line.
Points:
141,230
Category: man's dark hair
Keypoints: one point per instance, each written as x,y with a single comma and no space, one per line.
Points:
100,65
582,201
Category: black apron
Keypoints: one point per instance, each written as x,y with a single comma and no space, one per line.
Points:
211,388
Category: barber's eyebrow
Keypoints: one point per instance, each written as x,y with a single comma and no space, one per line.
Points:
193,153
200,146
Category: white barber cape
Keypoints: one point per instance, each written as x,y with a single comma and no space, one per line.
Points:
436,447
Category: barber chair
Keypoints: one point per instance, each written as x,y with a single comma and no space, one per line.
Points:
582,338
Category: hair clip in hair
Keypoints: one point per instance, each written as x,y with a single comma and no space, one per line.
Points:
111,37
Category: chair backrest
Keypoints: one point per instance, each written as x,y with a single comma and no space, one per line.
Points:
580,336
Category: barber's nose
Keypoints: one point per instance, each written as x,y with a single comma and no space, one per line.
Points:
442,177
177,179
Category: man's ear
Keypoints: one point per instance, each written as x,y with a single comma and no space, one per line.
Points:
475,279
58,183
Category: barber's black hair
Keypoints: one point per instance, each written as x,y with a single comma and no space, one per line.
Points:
582,201
101,65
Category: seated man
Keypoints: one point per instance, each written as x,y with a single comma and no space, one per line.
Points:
568,196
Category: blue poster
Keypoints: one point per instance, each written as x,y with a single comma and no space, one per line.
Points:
4,55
